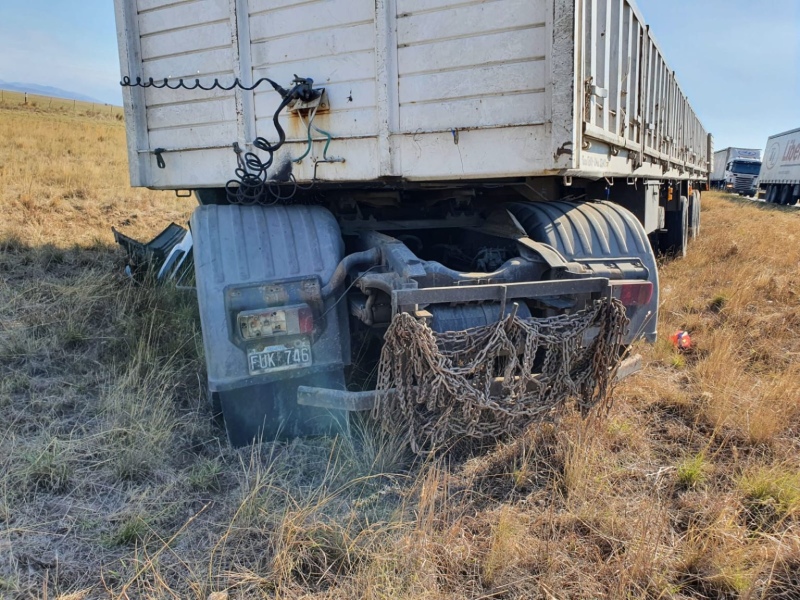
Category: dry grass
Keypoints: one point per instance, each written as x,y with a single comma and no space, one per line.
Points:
116,482
64,179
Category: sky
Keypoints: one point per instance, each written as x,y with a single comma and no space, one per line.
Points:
738,61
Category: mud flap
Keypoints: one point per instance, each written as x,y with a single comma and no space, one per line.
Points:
269,411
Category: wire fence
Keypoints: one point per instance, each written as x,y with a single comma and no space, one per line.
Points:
11,98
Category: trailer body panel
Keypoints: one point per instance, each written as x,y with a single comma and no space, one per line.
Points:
781,159
417,90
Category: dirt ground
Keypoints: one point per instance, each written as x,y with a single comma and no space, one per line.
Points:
116,482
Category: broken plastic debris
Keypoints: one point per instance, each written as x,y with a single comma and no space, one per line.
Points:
681,340
165,254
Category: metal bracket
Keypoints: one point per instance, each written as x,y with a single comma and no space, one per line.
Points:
159,158
403,300
320,102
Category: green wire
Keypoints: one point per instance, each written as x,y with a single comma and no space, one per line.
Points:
327,143
310,139
308,145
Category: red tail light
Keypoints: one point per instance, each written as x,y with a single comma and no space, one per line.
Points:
636,293
305,320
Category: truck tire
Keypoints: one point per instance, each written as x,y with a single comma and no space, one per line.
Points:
785,194
773,193
694,215
676,238
270,412
208,196
589,232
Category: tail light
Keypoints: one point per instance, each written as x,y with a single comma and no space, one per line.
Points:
305,320
275,322
635,293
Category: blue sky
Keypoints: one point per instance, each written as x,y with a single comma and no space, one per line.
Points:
737,60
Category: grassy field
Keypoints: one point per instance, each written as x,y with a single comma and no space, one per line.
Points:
49,104
115,481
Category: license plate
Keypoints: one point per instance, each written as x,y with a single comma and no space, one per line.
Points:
279,357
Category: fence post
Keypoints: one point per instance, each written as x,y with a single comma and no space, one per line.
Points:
26,97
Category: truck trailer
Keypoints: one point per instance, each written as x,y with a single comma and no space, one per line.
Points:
736,170
475,173
779,177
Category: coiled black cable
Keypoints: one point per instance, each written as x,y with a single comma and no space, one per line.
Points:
181,85
252,183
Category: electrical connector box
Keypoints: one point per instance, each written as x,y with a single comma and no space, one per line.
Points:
320,103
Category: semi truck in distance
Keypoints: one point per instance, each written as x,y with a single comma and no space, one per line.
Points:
365,164
779,177
735,170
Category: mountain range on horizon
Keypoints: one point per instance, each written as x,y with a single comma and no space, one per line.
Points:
46,90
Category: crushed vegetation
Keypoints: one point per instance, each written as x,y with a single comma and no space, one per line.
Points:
116,480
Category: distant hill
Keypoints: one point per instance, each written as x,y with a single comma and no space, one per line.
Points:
46,90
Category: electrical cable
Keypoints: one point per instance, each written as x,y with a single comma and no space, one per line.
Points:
348,288
308,132
252,183
327,143
165,83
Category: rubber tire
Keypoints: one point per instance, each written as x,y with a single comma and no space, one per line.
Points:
208,196
785,195
694,215
269,412
675,240
215,404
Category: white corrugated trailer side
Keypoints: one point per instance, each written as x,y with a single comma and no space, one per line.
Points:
417,89
780,170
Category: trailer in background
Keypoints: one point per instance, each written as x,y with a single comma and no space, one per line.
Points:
735,170
460,162
780,172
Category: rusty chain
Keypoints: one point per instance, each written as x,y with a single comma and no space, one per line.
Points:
492,381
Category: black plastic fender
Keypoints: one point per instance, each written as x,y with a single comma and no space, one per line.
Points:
589,232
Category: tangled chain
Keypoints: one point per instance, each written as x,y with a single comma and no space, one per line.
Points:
434,387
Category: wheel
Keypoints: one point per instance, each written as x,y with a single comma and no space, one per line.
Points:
694,215
215,404
769,195
206,196
785,194
676,239
269,412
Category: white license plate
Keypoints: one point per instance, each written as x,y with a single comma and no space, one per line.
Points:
279,357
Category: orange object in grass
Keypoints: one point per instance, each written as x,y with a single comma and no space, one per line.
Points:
681,340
